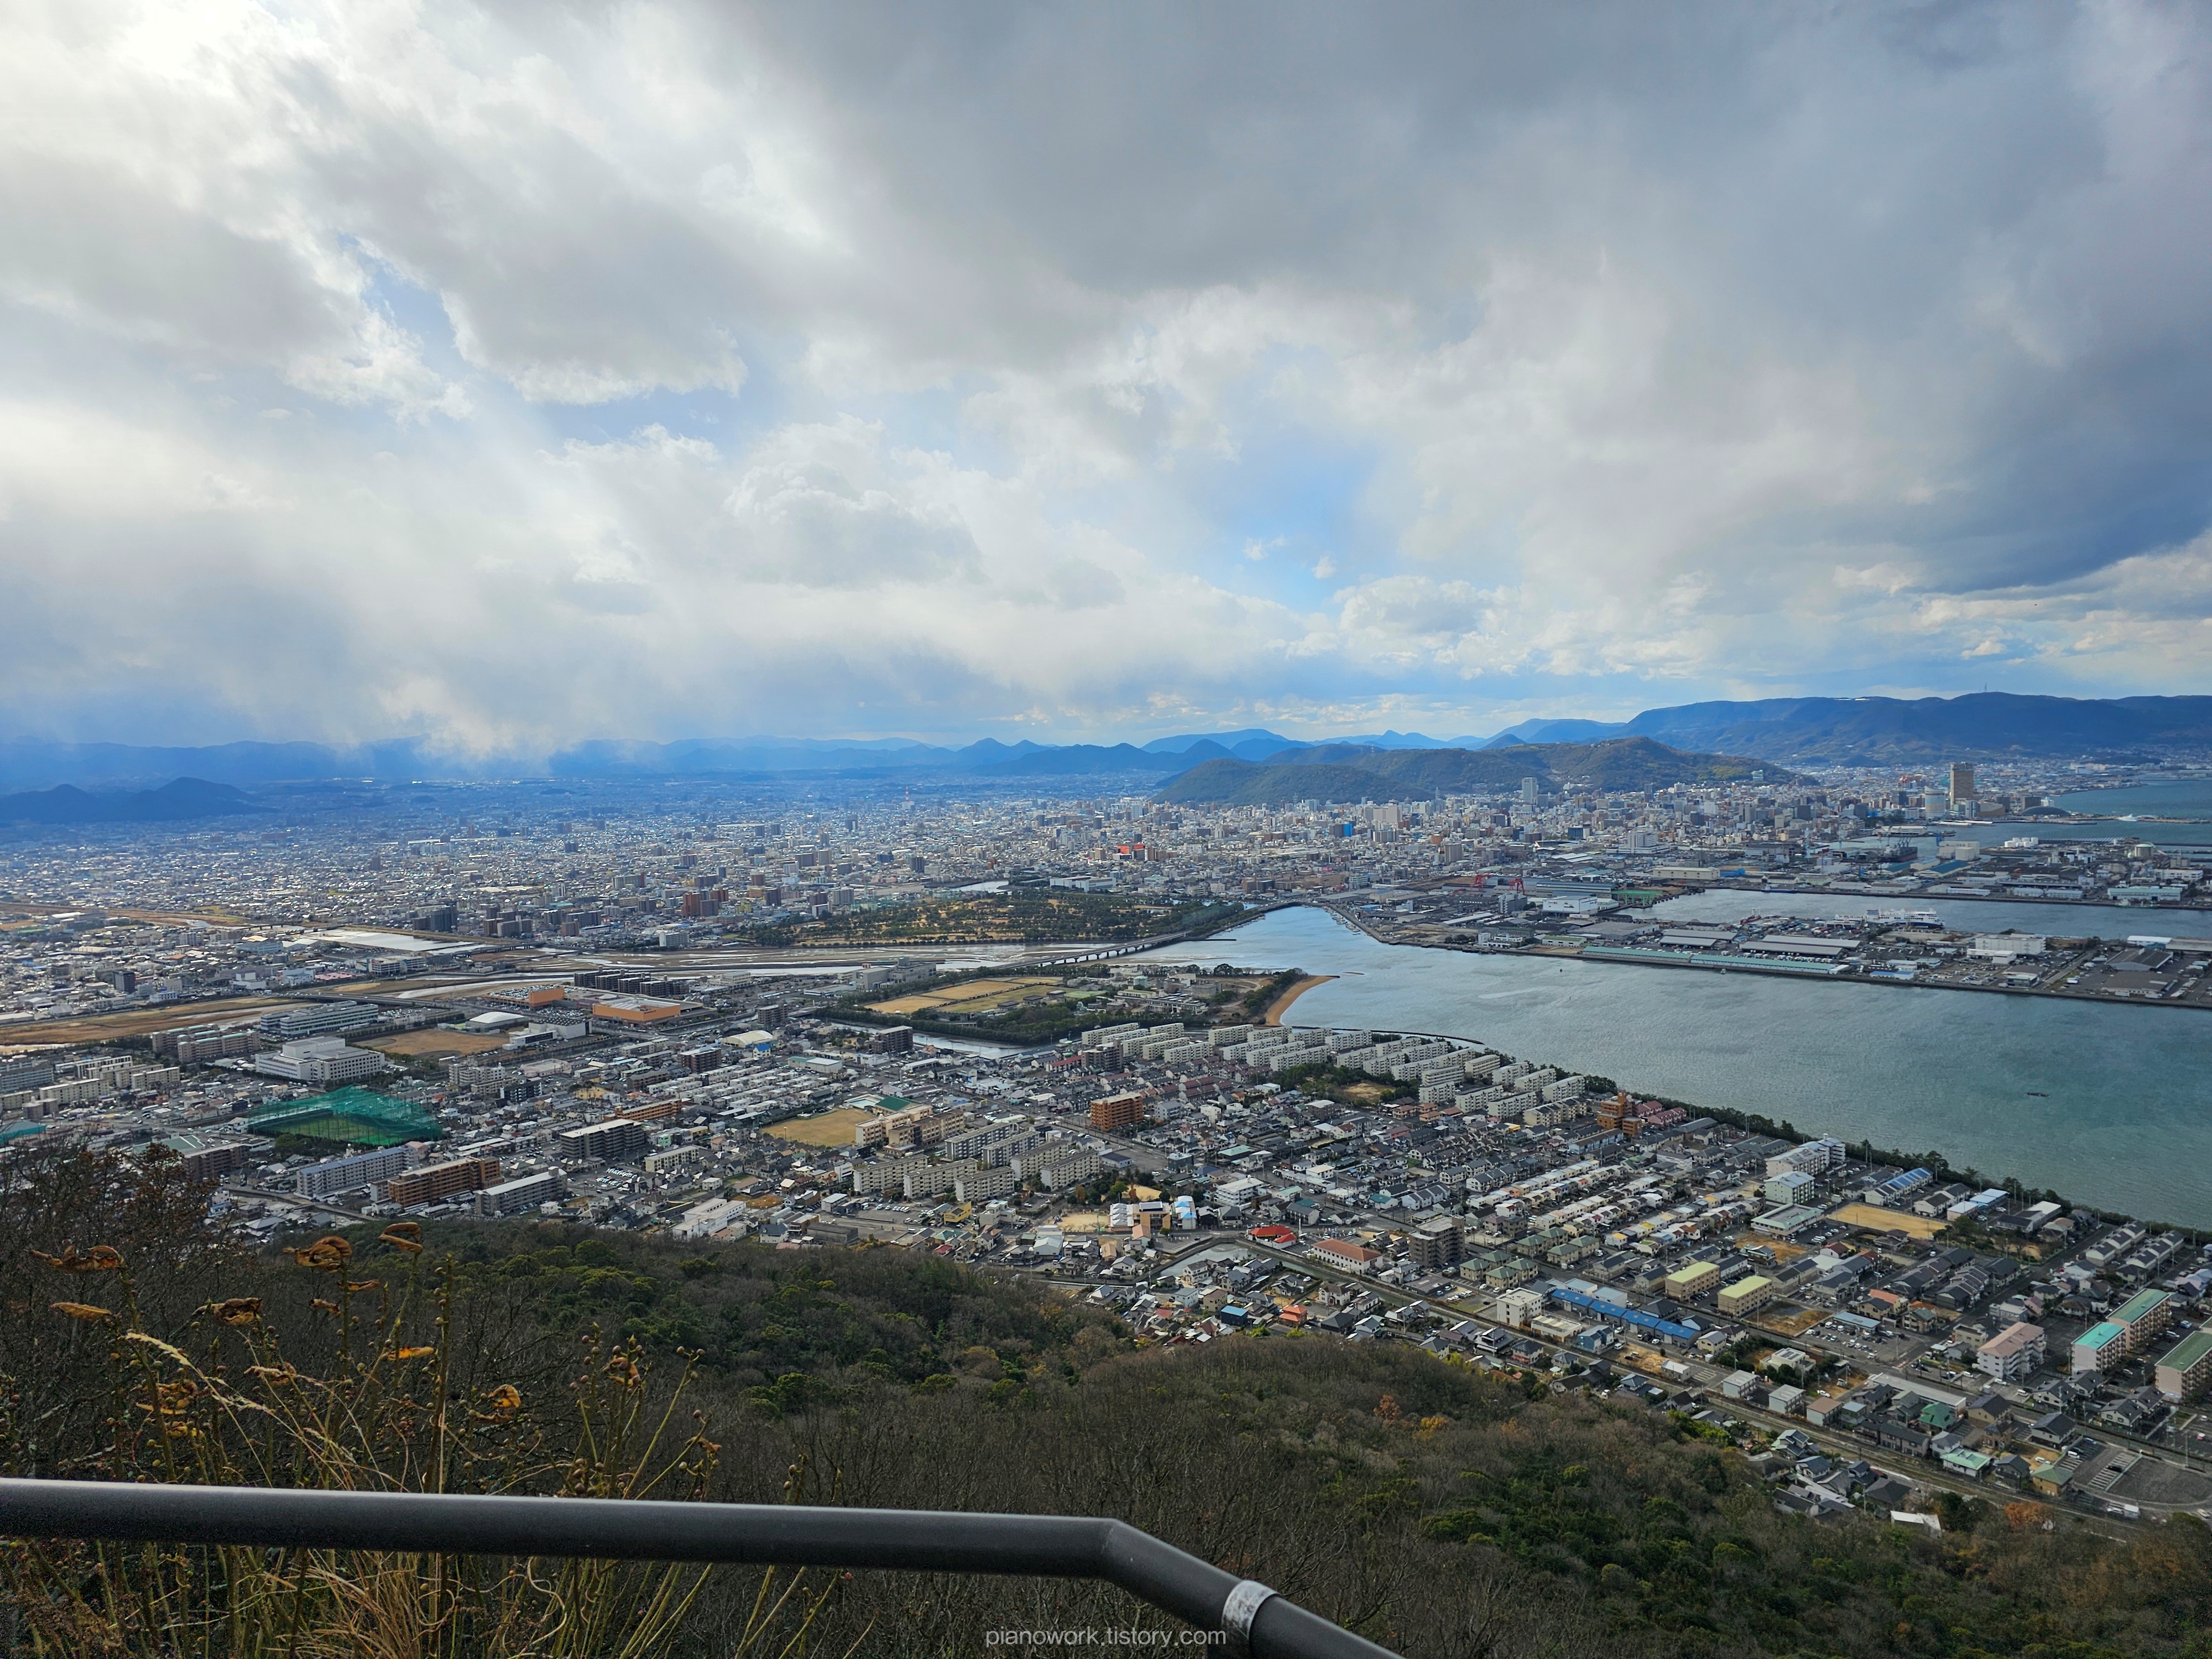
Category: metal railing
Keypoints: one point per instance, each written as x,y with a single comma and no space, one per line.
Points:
757,1534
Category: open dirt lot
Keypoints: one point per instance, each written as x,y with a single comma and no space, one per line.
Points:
975,997
1789,1321
1784,1251
419,1045
1887,1221
829,1129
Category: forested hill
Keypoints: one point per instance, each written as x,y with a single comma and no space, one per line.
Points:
1342,772
180,799
1924,731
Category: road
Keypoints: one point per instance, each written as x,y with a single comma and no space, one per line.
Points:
313,1206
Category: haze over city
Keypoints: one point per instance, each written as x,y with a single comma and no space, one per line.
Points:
504,377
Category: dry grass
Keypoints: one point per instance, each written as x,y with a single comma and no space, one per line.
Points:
140,1022
974,996
829,1129
225,1406
213,913
417,1045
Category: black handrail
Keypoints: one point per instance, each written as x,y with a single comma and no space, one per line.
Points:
760,1534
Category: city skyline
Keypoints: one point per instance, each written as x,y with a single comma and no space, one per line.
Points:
664,373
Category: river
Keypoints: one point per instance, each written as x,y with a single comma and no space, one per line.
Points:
2106,1104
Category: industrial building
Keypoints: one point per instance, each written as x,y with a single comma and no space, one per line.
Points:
319,1020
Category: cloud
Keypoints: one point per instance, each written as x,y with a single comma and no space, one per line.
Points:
672,367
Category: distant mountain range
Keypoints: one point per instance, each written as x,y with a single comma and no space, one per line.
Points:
1790,731
1926,730
180,799
1351,772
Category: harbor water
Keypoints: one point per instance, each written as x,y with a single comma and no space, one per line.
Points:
2105,1103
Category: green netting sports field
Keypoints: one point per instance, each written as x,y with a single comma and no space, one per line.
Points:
356,1116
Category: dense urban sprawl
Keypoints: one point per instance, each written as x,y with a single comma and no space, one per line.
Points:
684,1016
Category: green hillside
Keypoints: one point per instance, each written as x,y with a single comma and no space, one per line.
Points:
1339,772
1438,1509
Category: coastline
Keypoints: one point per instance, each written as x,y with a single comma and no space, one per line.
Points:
1950,898
1785,970
1281,1004
1620,956
1996,1083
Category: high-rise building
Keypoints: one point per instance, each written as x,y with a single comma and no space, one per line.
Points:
523,1193
2184,1373
612,1140
1436,1243
1117,1111
349,1174
432,1182
212,1162
1962,783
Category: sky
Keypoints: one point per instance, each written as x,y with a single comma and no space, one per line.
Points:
517,374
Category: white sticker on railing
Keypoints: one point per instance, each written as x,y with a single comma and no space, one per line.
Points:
1243,1604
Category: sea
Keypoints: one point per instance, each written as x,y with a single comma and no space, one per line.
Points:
2166,797
2107,1104
2131,811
